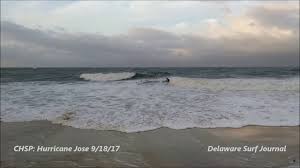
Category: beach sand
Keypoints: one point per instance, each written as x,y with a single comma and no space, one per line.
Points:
162,147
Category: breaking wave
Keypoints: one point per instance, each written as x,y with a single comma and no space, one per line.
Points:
147,75
129,106
107,76
122,76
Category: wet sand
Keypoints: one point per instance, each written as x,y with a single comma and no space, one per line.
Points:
162,147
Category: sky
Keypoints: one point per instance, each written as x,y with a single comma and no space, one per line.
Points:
149,33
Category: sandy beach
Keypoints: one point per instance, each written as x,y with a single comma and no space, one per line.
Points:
162,147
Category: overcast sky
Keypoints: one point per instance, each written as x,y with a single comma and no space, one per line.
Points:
149,33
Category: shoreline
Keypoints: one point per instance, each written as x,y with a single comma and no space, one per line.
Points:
163,147
111,130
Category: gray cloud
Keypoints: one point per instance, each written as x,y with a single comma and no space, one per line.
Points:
21,46
282,17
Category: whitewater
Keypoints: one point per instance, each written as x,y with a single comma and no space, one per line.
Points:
127,102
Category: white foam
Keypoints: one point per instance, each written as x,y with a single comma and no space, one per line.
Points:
130,106
107,76
265,84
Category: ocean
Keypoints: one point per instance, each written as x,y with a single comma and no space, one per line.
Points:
139,99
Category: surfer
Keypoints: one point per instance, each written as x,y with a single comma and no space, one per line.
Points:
167,80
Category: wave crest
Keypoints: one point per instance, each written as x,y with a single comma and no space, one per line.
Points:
107,76
122,76
150,75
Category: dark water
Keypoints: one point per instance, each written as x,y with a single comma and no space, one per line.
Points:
73,74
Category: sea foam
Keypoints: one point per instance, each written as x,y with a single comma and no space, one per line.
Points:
107,76
130,106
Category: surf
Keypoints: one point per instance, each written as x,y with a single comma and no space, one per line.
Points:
237,84
128,106
123,76
107,76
